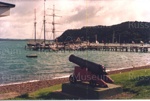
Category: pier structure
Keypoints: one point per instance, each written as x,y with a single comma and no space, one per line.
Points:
92,46
121,48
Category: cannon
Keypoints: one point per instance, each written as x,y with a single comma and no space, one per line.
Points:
97,69
89,71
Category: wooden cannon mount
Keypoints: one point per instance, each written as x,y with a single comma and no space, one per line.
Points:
90,72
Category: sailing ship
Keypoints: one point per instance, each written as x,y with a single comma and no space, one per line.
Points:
54,45
43,44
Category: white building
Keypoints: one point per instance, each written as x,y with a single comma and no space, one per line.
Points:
5,9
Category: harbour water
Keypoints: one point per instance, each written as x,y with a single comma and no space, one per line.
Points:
16,67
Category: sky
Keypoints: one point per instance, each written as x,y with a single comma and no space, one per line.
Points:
74,14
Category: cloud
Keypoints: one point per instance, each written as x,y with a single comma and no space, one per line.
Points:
75,14
83,14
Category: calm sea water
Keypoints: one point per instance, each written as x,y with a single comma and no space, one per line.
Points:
16,67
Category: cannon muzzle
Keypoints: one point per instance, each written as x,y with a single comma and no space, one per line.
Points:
96,69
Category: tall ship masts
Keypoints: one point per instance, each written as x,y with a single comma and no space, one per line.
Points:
37,44
44,22
53,22
35,26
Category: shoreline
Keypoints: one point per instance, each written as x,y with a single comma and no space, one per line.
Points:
14,83
30,86
121,70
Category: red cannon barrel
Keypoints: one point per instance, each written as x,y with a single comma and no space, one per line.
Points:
96,69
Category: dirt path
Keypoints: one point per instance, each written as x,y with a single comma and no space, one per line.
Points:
8,95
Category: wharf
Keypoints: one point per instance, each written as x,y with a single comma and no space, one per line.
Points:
90,46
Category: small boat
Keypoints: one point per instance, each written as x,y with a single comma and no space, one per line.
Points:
32,56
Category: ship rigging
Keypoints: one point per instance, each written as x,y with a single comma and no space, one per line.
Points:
45,43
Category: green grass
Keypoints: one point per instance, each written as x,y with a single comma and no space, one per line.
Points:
135,82
44,93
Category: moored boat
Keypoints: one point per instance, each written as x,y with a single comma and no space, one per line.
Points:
32,56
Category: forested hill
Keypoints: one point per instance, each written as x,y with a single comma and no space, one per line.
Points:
124,32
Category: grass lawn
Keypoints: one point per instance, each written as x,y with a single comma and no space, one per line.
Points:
45,93
136,82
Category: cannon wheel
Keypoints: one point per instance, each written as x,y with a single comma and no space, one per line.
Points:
92,83
72,79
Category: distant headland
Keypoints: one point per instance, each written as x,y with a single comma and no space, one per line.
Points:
125,32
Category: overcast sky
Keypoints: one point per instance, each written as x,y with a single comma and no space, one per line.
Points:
75,14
